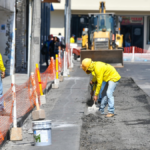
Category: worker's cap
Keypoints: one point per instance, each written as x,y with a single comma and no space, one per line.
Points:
86,63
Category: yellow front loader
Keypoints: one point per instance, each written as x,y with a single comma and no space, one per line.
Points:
102,43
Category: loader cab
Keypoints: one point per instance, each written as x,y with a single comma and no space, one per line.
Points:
101,28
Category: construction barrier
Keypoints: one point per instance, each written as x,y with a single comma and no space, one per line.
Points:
137,50
25,95
60,61
136,54
68,56
76,51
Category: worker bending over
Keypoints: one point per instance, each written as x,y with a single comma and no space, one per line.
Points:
103,72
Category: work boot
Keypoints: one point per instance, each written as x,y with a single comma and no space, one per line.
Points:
109,115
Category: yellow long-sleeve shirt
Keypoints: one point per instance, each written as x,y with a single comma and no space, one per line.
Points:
2,68
103,72
72,40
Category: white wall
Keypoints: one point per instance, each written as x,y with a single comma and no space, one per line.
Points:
6,37
57,22
118,5
7,4
3,37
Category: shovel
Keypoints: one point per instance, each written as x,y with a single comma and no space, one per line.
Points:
92,109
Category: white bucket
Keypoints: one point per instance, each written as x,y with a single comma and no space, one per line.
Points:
42,132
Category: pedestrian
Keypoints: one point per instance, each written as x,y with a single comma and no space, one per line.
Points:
128,40
57,46
103,72
51,48
72,40
59,36
2,68
47,44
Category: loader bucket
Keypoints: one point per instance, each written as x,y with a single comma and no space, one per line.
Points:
112,57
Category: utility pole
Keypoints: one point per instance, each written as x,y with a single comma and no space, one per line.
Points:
35,41
12,64
67,21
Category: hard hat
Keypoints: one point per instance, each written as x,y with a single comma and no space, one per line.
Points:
86,63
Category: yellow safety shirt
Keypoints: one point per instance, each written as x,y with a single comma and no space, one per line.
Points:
72,40
2,68
103,72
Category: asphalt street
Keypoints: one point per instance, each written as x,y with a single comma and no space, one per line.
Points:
71,127
139,72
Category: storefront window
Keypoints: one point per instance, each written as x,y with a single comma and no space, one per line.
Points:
148,30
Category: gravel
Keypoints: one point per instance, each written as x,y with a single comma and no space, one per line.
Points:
127,130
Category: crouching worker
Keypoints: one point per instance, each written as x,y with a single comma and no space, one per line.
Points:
103,72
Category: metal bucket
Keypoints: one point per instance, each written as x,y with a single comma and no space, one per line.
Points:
42,132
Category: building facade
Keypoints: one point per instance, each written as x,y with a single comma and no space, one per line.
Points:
6,33
16,32
135,18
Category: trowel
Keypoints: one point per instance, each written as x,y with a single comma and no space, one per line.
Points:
92,109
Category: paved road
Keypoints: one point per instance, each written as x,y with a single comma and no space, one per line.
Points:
140,72
127,130
65,108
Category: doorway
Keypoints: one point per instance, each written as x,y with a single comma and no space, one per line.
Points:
136,34
76,26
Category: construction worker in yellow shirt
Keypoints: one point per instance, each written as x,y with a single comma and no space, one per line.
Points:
103,72
72,40
2,68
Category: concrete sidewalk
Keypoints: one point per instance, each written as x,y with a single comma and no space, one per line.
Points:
19,79
65,107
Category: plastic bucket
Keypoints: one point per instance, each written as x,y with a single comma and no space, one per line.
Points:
42,132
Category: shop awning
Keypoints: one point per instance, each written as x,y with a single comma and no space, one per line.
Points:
51,1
